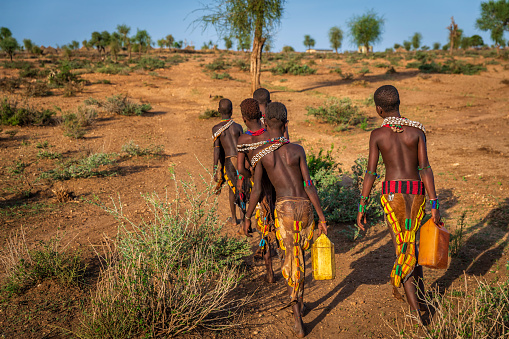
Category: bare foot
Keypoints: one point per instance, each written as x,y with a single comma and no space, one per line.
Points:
244,231
299,330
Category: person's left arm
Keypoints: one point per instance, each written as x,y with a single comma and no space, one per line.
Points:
255,196
310,190
217,152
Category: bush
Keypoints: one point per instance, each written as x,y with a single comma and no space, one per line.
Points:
168,275
210,113
134,150
242,65
150,64
482,312
74,124
11,114
90,166
337,111
340,200
37,89
218,64
62,76
119,104
287,49
220,76
49,260
292,67
449,67
113,69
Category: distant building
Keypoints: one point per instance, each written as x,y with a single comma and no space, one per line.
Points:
319,51
362,49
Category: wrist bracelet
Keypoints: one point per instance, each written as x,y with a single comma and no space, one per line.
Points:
362,208
373,173
435,204
241,177
323,222
308,183
420,169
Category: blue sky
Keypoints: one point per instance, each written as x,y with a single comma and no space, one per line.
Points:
53,22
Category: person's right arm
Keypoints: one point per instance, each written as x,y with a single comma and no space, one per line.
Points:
312,193
369,180
427,176
217,153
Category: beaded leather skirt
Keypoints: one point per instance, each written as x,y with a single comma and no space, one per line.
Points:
403,203
294,230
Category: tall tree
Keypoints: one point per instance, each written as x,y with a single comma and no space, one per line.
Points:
142,39
169,40
416,40
476,41
115,44
256,18
407,45
495,18
366,29
453,35
436,45
335,38
8,44
309,41
100,41
124,30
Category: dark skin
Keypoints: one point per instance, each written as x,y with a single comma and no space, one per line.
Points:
287,169
226,144
263,107
402,153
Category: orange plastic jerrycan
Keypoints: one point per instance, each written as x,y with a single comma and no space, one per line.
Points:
434,245
322,258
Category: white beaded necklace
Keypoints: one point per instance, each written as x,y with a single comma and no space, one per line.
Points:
396,122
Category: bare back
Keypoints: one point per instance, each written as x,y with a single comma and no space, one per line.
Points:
284,168
401,152
229,138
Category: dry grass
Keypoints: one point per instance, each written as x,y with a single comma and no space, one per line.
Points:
478,311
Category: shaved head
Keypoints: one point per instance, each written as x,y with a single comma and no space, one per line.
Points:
387,97
225,107
262,96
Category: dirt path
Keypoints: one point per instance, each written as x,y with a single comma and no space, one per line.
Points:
467,119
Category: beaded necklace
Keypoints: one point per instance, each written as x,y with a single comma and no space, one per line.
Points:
397,123
266,151
255,145
256,133
222,129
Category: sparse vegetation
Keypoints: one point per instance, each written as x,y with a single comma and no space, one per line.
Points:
210,113
91,166
134,150
292,67
337,112
156,283
14,114
221,76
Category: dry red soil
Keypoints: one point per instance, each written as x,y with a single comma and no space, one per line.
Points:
467,121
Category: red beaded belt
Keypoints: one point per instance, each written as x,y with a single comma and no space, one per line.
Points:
408,187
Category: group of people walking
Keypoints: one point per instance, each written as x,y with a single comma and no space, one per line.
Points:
268,176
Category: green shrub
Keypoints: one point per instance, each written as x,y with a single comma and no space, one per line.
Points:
210,113
451,67
176,59
11,114
113,69
370,101
37,89
364,70
17,64
340,197
134,150
48,155
75,124
220,76
150,64
49,260
337,112
119,104
218,64
91,166
292,67
168,274
242,65
321,161
61,76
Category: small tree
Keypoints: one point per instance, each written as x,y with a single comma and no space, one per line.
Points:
288,49
100,41
124,30
267,47
161,43
142,39
74,45
309,41
8,44
416,40
407,45
465,42
366,29
396,46
335,38
67,50
228,43
177,44
436,46
476,41
169,40
453,35
28,45
115,44
495,18
246,18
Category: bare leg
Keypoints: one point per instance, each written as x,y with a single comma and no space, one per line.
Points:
269,277
233,208
298,327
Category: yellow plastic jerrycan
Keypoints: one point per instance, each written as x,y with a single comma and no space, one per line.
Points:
322,257
434,246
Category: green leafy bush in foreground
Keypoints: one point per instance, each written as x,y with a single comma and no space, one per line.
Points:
170,274
91,166
14,114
